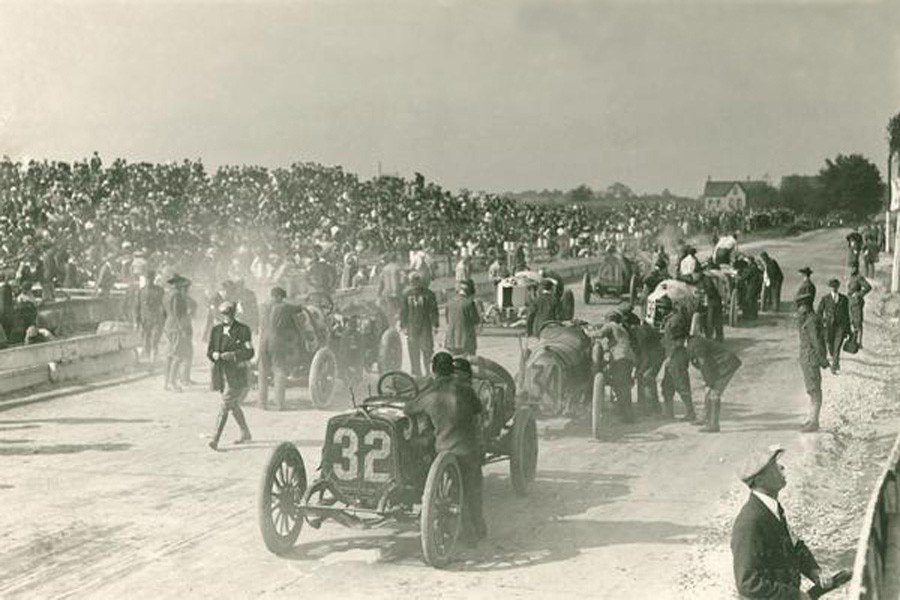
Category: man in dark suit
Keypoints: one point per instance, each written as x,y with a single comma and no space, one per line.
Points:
230,350
834,313
545,308
768,558
280,346
419,319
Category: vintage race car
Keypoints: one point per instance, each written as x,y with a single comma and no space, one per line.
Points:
338,343
514,296
615,276
379,465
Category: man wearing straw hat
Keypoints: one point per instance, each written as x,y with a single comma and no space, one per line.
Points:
768,558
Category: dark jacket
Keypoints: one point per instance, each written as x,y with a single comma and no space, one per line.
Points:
280,335
812,341
453,409
419,311
234,371
675,332
462,319
807,287
716,363
545,308
834,314
773,270
767,563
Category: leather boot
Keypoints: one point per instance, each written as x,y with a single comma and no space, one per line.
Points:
703,419
715,405
220,425
242,423
815,408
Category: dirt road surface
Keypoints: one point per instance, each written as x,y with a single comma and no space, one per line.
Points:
114,493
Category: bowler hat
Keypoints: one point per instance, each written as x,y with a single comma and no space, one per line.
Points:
758,460
834,283
805,270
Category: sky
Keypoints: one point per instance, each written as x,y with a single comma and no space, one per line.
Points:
486,95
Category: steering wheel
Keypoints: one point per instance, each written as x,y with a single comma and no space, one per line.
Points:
322,300
547,324
399,384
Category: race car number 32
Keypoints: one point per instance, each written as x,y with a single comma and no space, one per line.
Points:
376,446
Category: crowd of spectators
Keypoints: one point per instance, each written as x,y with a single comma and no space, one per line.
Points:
67,224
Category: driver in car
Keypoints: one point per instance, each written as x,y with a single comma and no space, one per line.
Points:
454,409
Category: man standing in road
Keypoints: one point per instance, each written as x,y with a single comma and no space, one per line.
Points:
230,350
857,288
419,319
178,330
834,312
279,346
545,308
812,359
717,366
675,376
650,357
807,288
768,558
462,320
714,323
150,314
390,287
772,279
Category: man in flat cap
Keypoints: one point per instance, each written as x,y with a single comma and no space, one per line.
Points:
807,287
230,350
813,358
834,312
768,558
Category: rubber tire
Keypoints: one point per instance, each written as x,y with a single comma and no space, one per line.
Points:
430,551
567,306
523,453
390,351
276,543
598,402
586,291
318,370
733,309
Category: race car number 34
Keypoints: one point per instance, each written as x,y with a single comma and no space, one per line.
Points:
376,446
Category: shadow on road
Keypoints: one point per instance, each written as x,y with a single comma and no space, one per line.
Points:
523,531
63,449
74,421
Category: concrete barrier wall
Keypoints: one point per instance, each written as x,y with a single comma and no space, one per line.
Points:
75,358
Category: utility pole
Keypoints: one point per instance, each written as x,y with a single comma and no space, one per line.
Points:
895,267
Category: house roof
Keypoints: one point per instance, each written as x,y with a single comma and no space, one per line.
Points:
717,189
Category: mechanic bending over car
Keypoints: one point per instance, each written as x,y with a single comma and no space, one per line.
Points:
454,408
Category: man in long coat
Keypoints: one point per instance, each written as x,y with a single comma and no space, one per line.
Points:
462,320
857,288
280,345
230,349
773,279
178,330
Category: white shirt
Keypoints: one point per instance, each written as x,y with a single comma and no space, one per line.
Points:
688,265
771,503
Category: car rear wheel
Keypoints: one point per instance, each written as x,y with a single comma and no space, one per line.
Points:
598,402
442,510
390,351
281,498
524,451
322,377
